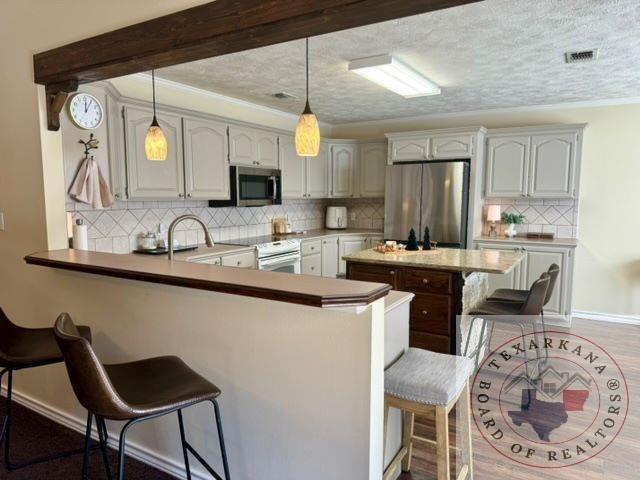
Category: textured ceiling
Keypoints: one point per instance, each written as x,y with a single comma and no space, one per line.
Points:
493,54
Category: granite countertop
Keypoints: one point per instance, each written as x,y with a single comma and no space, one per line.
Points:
450,259
307,235
559,242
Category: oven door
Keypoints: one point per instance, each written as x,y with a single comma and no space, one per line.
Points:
257,187
286,263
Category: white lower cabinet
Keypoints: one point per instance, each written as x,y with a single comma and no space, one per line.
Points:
240,260
537,261
348,245
330,257
312,264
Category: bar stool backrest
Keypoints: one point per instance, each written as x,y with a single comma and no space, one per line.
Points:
537,295
88,377
554,271
8,334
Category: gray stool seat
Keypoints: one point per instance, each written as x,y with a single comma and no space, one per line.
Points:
427,377
508,295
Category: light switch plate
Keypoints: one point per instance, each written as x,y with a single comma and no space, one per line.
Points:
1,221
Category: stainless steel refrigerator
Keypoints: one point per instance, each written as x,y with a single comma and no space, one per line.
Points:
433,194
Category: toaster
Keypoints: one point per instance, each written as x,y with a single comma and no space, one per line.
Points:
336,218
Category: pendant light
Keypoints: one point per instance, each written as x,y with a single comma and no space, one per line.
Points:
307,130
155,143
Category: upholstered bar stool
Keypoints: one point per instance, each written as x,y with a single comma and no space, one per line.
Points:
430,384
511,313
22,348
134,392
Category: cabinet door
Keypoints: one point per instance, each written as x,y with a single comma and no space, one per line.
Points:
552,168
151,179
240,260
317,174
373,162
330,257
206,164
311,265
539,259
343,164
267,146
510,280
409,150
447,146
293,169
507,166
243,149
349,245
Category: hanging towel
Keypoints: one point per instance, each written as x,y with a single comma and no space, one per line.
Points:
90,186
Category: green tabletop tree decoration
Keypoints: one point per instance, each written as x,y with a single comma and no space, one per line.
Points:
412,242
426,244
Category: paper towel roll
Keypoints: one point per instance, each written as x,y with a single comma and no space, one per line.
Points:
80,238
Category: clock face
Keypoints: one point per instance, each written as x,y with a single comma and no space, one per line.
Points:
86,111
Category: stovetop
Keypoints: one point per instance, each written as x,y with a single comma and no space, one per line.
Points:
268,245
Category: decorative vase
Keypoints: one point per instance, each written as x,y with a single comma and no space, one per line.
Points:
511,231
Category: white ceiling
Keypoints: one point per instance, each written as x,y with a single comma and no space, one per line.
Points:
493,54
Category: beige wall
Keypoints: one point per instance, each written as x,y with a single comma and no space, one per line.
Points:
607,274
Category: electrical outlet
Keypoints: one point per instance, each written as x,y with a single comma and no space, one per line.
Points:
1,221
353,216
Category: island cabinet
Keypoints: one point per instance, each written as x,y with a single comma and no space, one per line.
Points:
434,308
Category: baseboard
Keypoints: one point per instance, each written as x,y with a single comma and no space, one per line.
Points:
134,450
608,317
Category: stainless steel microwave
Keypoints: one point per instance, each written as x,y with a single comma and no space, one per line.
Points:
252,187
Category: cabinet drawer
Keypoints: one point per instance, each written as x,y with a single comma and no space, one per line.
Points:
372,273
431,313
310,247
209,260
241,260
428,341
312,264
418,280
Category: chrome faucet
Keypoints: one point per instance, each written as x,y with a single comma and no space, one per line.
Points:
195,218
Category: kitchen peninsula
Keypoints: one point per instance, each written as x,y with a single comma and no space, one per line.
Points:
446,283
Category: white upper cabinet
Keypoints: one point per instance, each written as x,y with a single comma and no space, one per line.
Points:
343,170
243,149
293,170
317,174
452,146
206,164
507,166
552,167
151,179
408,150
373,162
267,149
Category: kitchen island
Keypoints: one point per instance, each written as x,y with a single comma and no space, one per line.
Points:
446,282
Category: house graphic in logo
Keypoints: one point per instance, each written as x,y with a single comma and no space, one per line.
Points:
541,405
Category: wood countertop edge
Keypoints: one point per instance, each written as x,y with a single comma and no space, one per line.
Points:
331,300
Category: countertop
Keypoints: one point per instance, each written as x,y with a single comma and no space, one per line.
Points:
307,235
450,259
305,290
557,242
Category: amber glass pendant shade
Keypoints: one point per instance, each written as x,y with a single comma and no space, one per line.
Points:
155,143
308,134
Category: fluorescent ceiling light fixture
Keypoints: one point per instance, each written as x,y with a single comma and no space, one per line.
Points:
392,74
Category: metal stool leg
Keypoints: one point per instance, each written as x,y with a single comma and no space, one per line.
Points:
87,448
223,450
104,438
183,441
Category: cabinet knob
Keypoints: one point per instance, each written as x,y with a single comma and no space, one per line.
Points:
392,272
425,312
188,195
313,268
181,195
117,195
425,281
239,263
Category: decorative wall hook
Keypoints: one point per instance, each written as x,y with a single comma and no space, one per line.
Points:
90,145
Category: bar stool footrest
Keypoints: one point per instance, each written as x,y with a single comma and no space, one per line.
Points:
202,461
395,463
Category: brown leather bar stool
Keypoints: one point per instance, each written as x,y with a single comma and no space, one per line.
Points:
134,392
509,313
22,348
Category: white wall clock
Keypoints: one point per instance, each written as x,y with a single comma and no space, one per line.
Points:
86,111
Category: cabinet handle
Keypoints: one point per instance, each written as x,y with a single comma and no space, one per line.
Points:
425,312
425,281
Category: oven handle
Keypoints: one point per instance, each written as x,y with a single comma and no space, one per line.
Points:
279,259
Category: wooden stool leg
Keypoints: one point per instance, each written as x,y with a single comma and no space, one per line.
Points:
407,439
464,417
442,442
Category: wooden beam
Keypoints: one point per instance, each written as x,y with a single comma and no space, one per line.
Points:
57,94
212,29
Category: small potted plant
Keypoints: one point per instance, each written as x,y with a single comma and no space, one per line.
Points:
512,219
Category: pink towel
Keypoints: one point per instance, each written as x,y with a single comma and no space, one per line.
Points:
90,186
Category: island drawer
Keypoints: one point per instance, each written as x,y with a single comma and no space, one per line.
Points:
431,313
429,341
420,280
372,273
311,247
